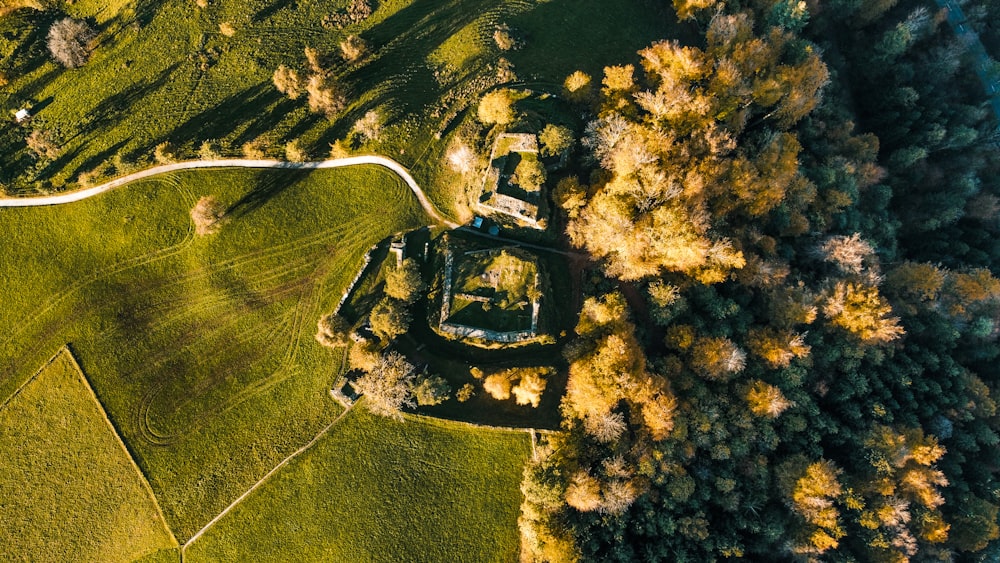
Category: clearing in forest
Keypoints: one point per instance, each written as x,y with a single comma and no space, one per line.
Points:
69,489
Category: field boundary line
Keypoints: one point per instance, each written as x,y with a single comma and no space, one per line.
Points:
104,414
30,379
377,160
262,480
527,429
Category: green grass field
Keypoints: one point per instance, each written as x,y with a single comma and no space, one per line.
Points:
375,489
163,71
201,348
68,490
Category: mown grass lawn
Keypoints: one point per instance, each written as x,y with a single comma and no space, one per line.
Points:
68,490
201,348
374,489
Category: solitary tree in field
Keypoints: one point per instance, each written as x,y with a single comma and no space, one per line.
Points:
497,107
207,214
294,151
71,42
388,386
163,153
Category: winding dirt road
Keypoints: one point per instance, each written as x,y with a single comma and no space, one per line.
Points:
392,165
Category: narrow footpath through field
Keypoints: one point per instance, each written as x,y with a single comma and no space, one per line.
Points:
396,167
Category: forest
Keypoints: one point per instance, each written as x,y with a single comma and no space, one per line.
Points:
790,350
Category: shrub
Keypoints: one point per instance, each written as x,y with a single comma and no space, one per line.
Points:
288,82
578,87
207,215
353,48
255,149
357,12
43,144
331,331
505,38
498,386
369,126
340,149
460,157
466,392
315,60
431,390
70,42
164,153
209,150
325,96
294,152
528,390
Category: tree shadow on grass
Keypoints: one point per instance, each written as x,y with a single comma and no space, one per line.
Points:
267,185
262,102
270,10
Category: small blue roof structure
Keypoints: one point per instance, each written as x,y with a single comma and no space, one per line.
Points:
477,223
494,230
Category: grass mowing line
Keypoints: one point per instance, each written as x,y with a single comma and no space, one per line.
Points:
104,414
254,487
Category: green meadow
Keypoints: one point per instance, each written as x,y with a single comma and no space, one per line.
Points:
68,490
165,72
201,348
374,489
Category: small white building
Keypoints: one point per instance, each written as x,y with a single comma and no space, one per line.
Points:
22,115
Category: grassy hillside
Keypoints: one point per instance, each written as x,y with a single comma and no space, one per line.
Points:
374,489
201,348
165,71
68,490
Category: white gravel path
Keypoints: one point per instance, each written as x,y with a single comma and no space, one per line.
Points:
396,167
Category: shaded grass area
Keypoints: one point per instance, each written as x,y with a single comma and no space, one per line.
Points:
68,490
374,489
569,35
201,348
494,290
